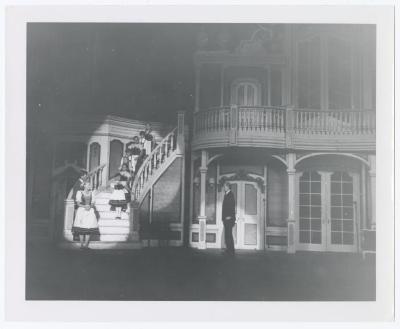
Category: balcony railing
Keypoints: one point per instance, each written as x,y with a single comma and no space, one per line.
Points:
284,128
334,122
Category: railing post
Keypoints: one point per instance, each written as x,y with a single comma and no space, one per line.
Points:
234,125
289,126
180,142
68,218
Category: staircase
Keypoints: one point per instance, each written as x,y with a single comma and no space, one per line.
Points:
154,165
124,233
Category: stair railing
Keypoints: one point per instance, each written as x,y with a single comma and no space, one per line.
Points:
153,161
94,177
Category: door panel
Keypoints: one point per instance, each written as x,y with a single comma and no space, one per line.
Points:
250,234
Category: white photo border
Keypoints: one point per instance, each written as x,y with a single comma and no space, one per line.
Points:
18,309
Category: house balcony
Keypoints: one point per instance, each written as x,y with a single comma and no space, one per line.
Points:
284,128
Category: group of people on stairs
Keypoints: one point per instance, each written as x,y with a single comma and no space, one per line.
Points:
86,217
133,158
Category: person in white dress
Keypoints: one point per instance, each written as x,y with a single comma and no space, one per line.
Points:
85,222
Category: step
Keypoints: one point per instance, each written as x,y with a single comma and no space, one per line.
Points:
120,237
106,207
103,245
111,215
113,230
103,222
102,201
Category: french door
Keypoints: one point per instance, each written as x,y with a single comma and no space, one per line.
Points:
328,211
247,231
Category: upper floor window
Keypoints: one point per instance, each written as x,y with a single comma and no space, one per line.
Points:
327,73
309,73
246,93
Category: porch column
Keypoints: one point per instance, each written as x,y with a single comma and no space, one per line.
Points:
202,217
104,157
363,197
372,178
291,247
197,88
222,84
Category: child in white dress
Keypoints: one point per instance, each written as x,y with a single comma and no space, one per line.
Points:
85,223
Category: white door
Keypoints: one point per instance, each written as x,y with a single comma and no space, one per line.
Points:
247,231
327,211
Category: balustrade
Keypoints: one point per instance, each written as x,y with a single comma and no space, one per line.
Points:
95,177
247,121
334,122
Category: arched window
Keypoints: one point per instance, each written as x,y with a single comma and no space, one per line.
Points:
94,155
246,93
116,153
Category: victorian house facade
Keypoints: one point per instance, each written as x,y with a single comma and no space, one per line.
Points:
286,113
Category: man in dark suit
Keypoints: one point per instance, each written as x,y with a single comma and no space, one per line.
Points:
228,218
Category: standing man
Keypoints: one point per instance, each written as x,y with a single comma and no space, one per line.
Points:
228,218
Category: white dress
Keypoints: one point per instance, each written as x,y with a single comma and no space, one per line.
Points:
85,220
147,147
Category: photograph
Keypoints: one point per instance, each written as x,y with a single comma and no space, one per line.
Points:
200,161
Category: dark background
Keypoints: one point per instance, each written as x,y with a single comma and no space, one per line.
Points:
140,71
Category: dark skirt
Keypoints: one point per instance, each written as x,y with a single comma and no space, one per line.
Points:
118,203
82,230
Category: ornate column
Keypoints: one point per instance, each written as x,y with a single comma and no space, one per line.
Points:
289,125
197,88
104,142
364,197
234,125
372,178
222,84
291,171
202,217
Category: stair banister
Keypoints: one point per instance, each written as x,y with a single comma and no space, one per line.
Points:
146,169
